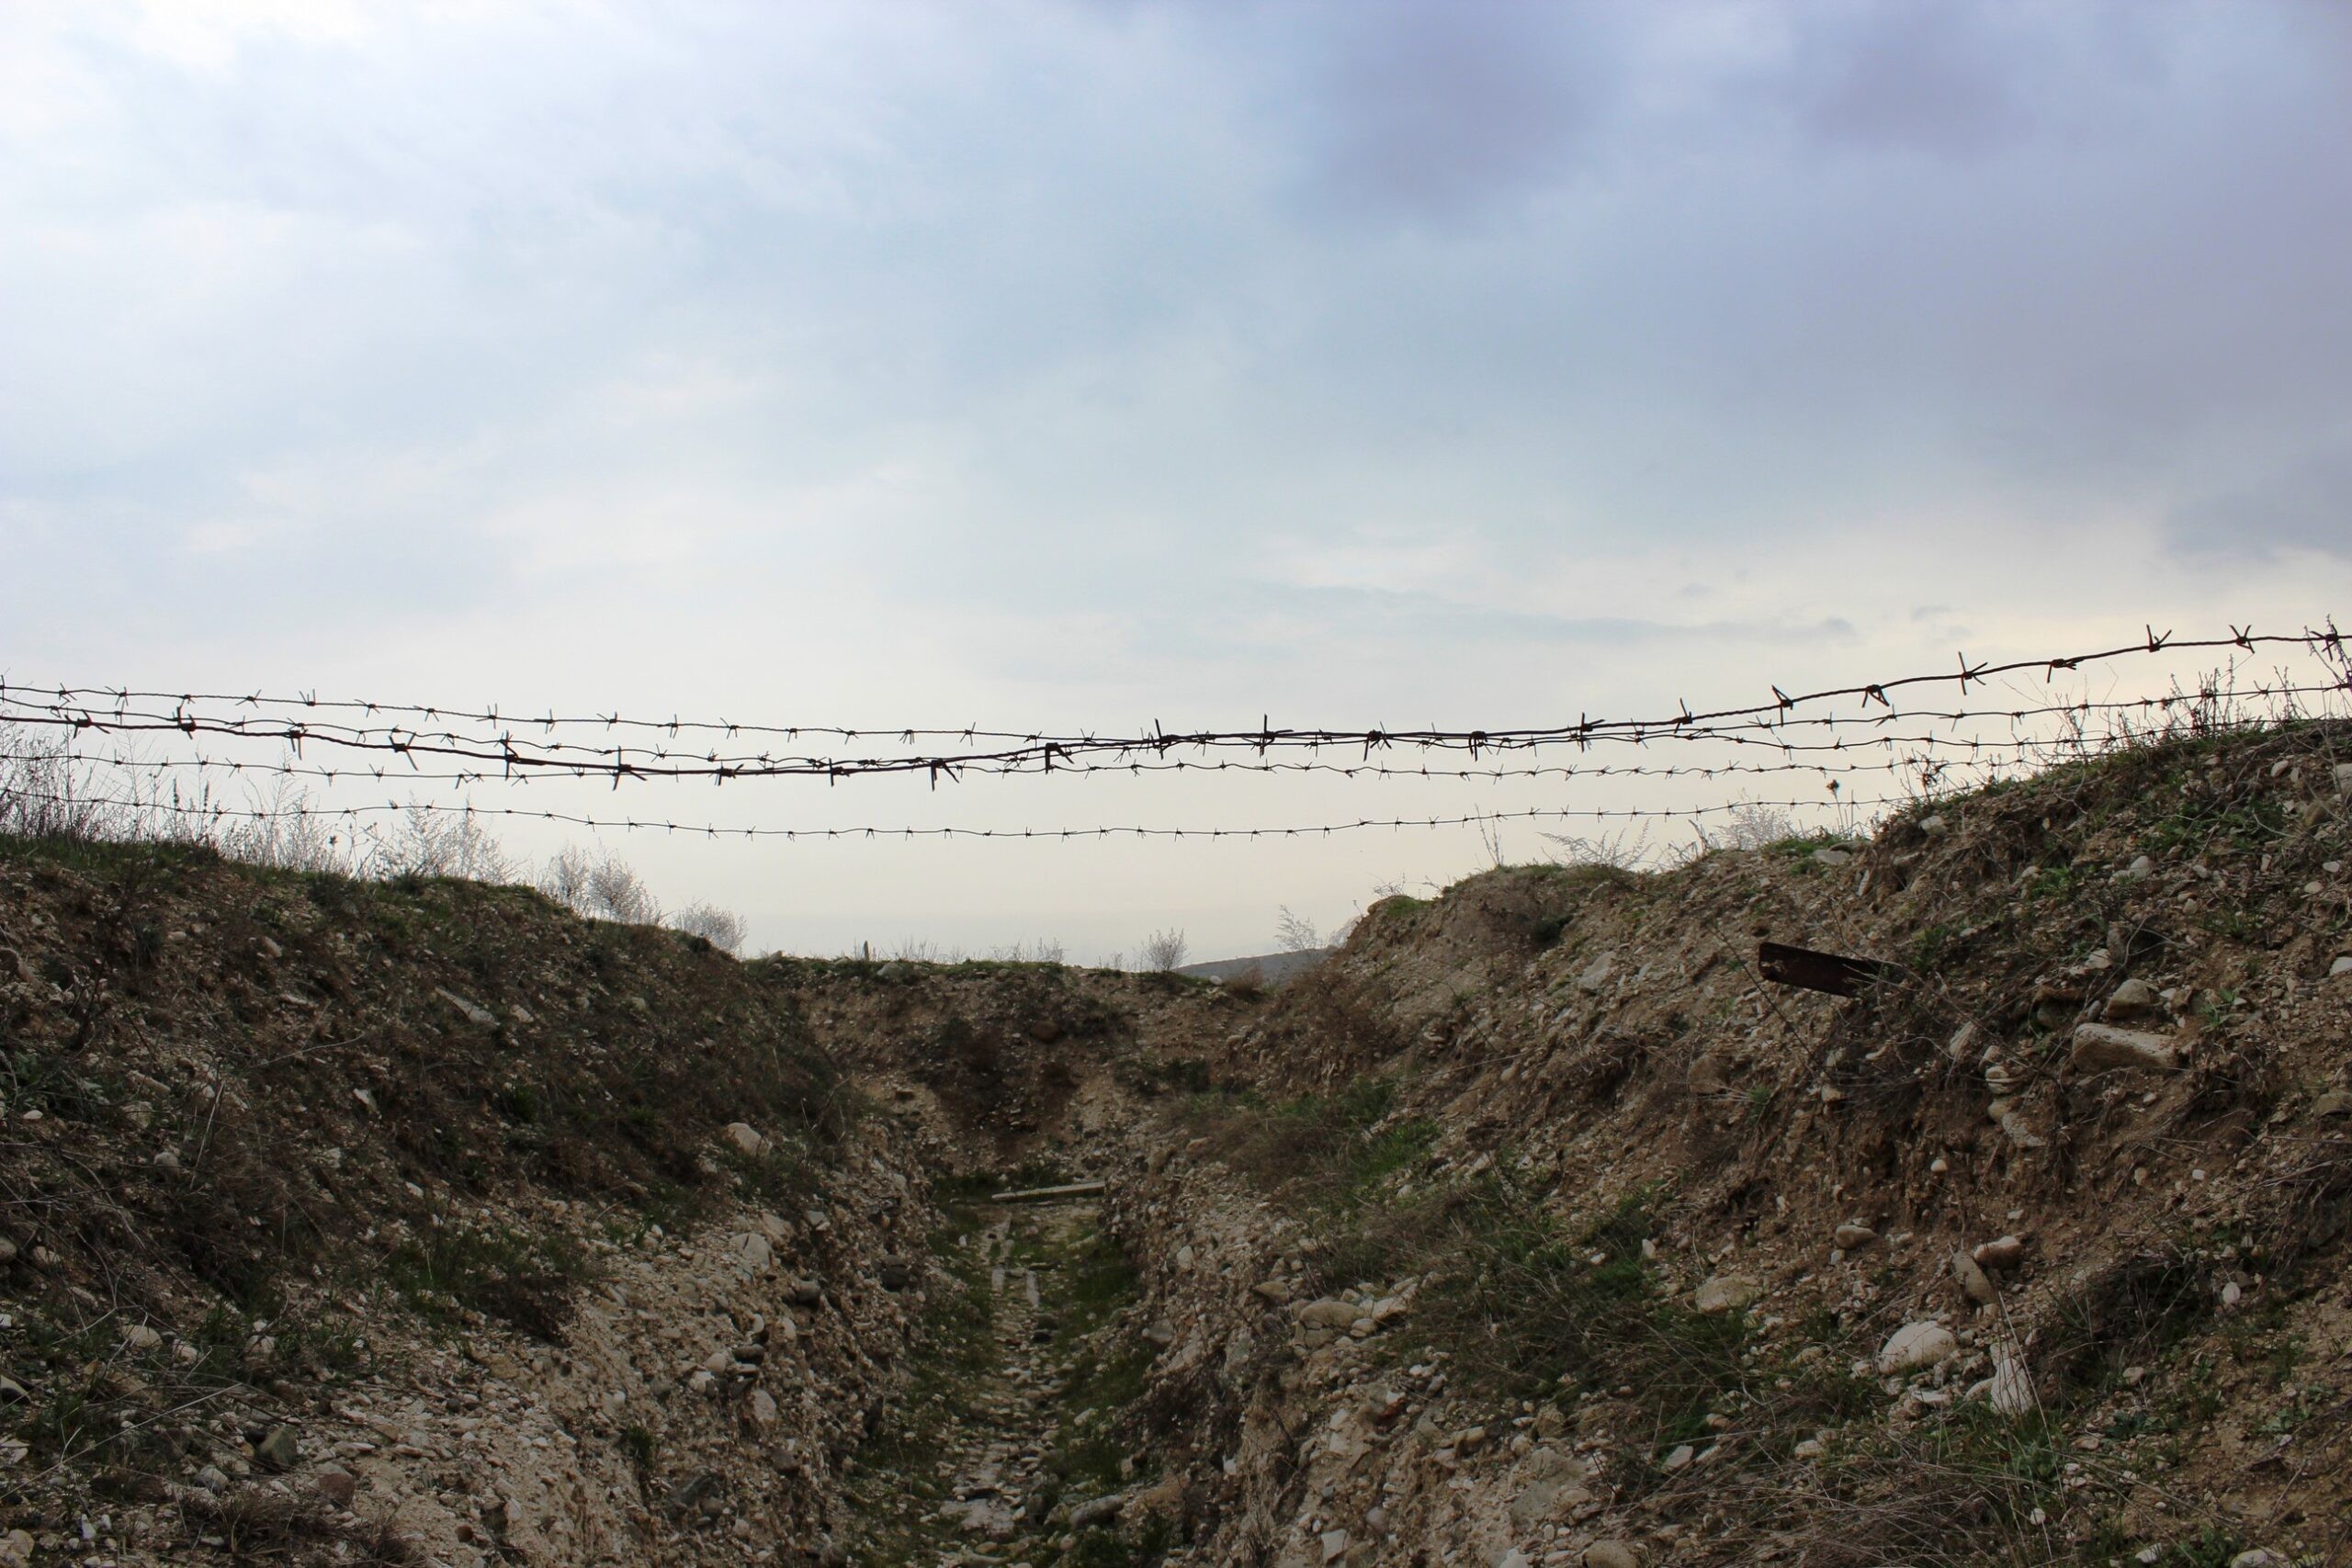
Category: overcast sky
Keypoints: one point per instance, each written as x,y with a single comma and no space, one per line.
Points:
1090,364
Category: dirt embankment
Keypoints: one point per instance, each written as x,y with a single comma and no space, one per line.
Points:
392,1222
344,1221
1536,1227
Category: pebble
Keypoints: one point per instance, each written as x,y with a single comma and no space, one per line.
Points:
1612,1554
2133,999
2006,1252
1852,1235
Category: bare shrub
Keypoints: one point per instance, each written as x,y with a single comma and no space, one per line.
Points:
1296,933
1044,950
284,833
44,793
49,789
565,878
616,893
1750,825
430,840
922,950
1624,850
723,929
1165,951
1248,983
600,886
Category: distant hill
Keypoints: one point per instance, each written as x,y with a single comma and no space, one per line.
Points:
1276,967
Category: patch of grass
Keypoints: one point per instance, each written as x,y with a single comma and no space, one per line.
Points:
1800,846
1525,1304
522,1279
2053,881
1103,1280
2242,824
1520,1297
258,1526
1929,949
1120,1547
1335,1143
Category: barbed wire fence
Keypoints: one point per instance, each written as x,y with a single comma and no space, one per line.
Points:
307,782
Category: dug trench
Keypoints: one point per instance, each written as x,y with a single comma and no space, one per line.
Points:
420,1222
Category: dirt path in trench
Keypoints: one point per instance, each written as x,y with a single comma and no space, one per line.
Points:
966,1479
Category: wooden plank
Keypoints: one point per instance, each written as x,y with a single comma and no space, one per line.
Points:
1047,1194
1830,972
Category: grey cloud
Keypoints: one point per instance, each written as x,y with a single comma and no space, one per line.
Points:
1935,78
2307,505
1429,111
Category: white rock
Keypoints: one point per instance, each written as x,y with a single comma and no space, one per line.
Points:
2342,965
1973,1280
1550,1483
474,1012
2102,1047
1726,1292
1328,1313
1853,1236
2009,1391
2133,999
1612,1554
1914,1346
745,1139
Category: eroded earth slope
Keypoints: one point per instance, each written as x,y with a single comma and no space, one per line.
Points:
422,1222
